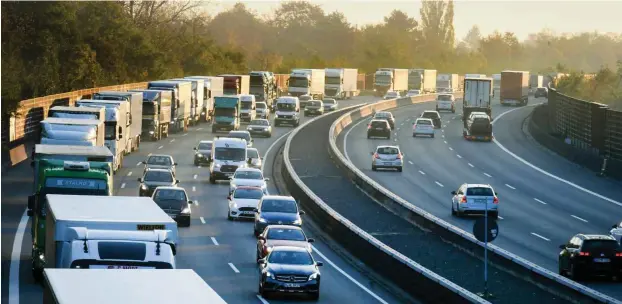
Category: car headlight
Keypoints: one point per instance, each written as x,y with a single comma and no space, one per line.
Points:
151,132
186,210
234,205
232,123
313,276
297,222
144,187
217,165
199,155
269,274
262,220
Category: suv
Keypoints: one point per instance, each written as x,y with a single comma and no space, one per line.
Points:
446,102
434,116
378,127
388,116
587,254
423,126
475,199
541,92
387,157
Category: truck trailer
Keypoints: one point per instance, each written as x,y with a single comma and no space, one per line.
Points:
72,131
341,83
198,89
227,110
496,85
422,80
77,113
514,88
236,84
306,82
447,83
390,79
156,113
477,97
212,86
535,81
182,101
263,86
134,111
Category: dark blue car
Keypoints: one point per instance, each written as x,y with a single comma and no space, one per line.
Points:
277,210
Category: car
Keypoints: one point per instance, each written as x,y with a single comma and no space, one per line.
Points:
423,126
330,104
248,177
541,92
243,202
387,157
475,199
255,160
289,269
434,116
616,232
304,100
174,201
314,107
160,161
262,110
276,209
446,102
379,128
203,152
260,127
587,255
388,116
153,178
412,93
391,95
282,235
245,135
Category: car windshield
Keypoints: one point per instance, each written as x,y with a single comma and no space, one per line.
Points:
285,234
252,153
329,101
290,258
241,135
379,124
305,97
204,146
260,105
166,198
391,94
158,176
541,89
315,103
248,175
382,115
259,122
430,115
593,245
284,206
233,154
245,105
423,122
444,97
388,151
480,191
286,106
247,193
159,161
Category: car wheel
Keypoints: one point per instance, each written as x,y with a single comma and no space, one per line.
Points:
262,292
453,211
373,168
315,296
389,136
196,162
399,169
432,135
495,215
229,217
187,222
212,180
574,274
368,137
560,270
37,274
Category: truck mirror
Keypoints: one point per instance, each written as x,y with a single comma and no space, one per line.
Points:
29,212
140,180
31,201
190,202
176,181
195,148
120,130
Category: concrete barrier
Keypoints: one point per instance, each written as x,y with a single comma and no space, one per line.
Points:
404,272
545,279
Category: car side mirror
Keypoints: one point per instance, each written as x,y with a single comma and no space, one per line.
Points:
614,225
176,181
249,160
140,180
311,240
453,192
229,197
371,153
319,264
302,212
562,246
496,193
261,237
174,164
261,261
143,162
195,148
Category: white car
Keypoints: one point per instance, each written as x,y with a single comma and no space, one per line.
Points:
251,177
616,232
392,95
423,126
412,93
243,202
475,199
446,102
387,157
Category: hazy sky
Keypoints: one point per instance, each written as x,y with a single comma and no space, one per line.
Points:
520,17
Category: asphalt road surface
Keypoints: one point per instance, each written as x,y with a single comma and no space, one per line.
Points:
220,251
540,208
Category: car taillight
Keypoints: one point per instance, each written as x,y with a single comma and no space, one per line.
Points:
619,254
368,126
265,250
496,200
584,253
464,199
376,155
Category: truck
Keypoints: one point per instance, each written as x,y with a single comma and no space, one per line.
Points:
104,286
475,76
227,110
263,86
477,97
117,132
306,82
390,79
213,86
198,89
447,83
514,88
236,84
496,85
341,83
156,113
422,80
134,114
72,170
108,232
182,101
72,131
535,81
77,113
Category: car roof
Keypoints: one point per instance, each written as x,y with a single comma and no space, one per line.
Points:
248,169
383,112
479,186
160,155
175,188
284,227
255,149
590,237
289,248
379,120
430,111
239,132
387,146
262,102
158,170
278,197
248,187
422,118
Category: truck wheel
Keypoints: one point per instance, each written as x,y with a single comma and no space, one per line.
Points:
37,274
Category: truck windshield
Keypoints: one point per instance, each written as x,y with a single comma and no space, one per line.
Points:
246,105
333,80
76,186
226,112
256,80
100,97
149,108
298,82
110,132
286,106
383,79
233,154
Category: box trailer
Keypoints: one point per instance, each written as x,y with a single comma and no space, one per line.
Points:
341,83
514,88
72,131
198,100
156,113
236,84
182,101
447,83
77,113
477,97
135,113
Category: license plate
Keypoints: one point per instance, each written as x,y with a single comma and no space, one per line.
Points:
480,201
387,163
248,212
599,260
229,174
118,267
379,129
292,285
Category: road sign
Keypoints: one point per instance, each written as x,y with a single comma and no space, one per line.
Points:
480,227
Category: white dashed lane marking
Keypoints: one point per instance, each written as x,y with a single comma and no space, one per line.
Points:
422,173
234,268
451,149
539,201
510,187
539,236
122,185
583,220
440,185
172,140
160,147
214,241
195,176
202,220
458,155
194,188
487,174
471,165
129,173
410,162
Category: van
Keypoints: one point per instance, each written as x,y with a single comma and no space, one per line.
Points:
248,105
287,111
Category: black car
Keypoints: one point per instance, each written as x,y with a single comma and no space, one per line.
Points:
586,255
541,92
154,178
291,270
388,116
436,118
202,152
277,210
378,128
174,201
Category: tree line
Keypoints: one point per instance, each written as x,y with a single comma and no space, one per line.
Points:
53,47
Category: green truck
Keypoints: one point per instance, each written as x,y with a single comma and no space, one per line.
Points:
226,113
59,169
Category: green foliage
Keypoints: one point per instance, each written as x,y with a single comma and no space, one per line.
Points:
604,87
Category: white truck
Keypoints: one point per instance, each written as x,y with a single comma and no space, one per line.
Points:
248,106
77,113
287,111
162,286
423,80
390,79
496,85
198,100
535,81
134,112
182,101
475,76
341,83
108,232
477,97
212,87
306,82
228,154
72,132
117,132
447,83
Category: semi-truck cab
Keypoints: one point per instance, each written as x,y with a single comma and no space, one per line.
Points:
156,113
226,113
390,79
133,121
306,82
263,86
422,80
341,83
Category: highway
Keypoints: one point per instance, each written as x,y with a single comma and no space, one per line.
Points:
220,251
540,208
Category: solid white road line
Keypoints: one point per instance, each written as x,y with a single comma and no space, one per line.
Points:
160,147
371,293
199,129
539,201
16,258
441,185
546,172
583,220
138,164
458,155
263,301
202,220
537,235
345,138
510,187
422,173
470,165
194,188
129,173
214,241
195,176
410,162
487,174
122,185
234,268
265,156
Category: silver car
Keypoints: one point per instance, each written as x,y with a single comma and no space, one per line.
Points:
475,199
329,104
392,95
160,161
253,155
262,110
387,157
423,126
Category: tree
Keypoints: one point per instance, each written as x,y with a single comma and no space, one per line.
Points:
473,38
437,31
